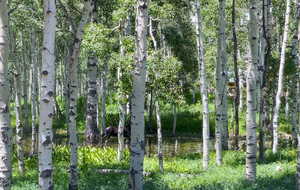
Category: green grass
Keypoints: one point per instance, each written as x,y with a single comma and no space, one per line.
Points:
182,172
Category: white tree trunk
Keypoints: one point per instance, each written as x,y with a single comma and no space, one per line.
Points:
159,137
47,99
280,78
221,89
103,94
19,124
122,97
92,131
34,94
73,91
251,95
5,130
174,119
137,144
203,85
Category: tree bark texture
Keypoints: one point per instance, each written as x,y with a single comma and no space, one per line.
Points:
137,144
47,99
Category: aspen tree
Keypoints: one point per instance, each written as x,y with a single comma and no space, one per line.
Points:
137,144
251,94
5,130
280,78
46,97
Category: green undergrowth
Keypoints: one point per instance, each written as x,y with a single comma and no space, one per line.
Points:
182,172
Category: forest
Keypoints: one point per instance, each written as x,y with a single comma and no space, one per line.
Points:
149,94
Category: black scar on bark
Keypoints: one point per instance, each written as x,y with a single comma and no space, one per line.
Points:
46,173
47,141
45,72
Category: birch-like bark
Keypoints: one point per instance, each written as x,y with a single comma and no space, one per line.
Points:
73,91
92,131
241,85
122,108
47,99
24,86
265,61
221,89
19,124
280,78
5,130
122,96
203,85
34,94
251,94
103,95
174,110
137,144
157,108
159,137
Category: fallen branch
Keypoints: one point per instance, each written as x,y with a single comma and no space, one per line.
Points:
116,171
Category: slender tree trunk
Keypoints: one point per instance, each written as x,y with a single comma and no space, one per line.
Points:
47,99
34,94
122,107
24,86
287,103
137,144
280,78
73,92
5,130
221,89
293,90
150,110
241,85
19,124
122,96
251,95
157,109
266,53
174,119
103,95
237,80
92,131
203,84
159,137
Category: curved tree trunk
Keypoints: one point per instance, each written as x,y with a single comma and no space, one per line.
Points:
137,144
73,91
280,78
47,99
5,130
92,131
251,95
221,89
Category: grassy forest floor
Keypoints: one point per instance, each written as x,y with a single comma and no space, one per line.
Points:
182,172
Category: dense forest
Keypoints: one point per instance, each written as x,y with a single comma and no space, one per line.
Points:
149,94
